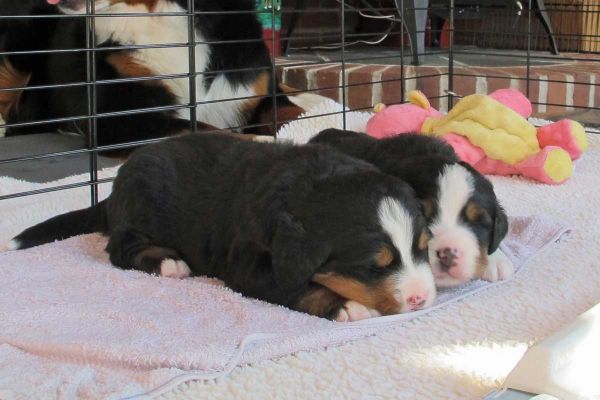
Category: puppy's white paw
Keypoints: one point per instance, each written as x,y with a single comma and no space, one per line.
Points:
499,267
174,269
354,311
9,246
264,139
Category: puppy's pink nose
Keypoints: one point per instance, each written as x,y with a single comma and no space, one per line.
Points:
417,301
448,256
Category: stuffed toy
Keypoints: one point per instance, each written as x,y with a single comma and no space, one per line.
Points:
491,133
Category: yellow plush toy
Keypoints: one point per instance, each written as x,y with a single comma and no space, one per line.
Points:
491,133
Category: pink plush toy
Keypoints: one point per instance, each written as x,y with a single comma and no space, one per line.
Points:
491,133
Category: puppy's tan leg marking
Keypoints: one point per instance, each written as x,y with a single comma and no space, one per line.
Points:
10,78
321,302
380,297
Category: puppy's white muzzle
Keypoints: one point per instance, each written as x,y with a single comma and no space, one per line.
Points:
453,253
415,288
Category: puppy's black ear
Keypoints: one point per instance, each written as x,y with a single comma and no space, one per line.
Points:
335,137
499,230
296,256
330,136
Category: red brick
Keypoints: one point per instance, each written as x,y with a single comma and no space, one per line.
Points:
534,90
328,80
464,81
428,82
581,95
581,78
597,92
296,78
360,90
521,84
557,92
497,78
391,91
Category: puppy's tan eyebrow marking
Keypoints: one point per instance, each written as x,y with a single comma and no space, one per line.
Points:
428,207
473,211
384,257
424,238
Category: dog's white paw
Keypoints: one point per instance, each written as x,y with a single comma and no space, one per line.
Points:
499,267
354,311
9,246
174,269
264,139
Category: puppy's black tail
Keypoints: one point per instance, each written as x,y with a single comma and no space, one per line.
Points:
88,220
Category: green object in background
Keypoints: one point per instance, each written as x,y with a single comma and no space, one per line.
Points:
265,16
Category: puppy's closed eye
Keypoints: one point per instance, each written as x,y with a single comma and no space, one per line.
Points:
475,213
384,257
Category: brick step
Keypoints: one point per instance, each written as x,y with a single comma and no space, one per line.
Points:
552,88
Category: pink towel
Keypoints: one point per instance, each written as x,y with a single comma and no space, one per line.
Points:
72,326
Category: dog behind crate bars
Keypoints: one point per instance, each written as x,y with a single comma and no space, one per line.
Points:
234,70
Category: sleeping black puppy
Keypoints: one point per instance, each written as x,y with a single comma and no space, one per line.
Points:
305,227
465,218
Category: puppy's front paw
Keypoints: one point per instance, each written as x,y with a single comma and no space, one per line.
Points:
9,246
174,269
354,311
264,139
499,267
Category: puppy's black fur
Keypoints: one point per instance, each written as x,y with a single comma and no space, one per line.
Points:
419,160
264,218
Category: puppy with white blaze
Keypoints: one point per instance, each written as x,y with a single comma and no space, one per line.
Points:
463,213
306,227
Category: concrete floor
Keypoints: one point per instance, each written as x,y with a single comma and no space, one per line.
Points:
46,169
432,57
589,118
